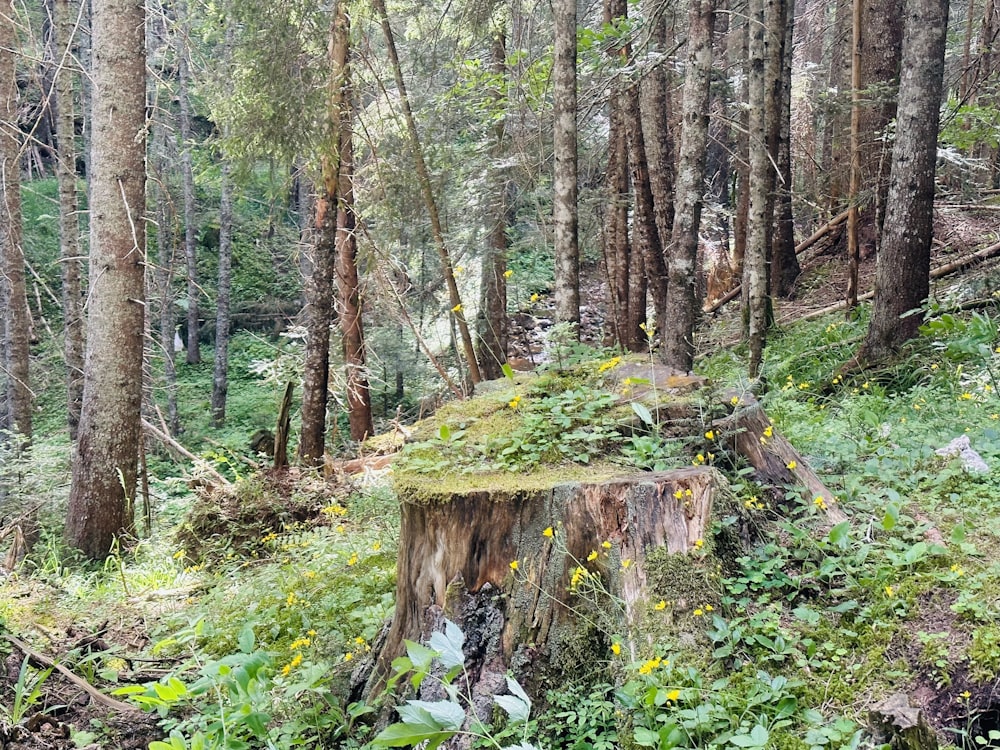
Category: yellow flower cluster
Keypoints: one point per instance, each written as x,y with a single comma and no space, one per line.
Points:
819,502
334,510
754,504
651,664
549,532
703,610
610,364
514,402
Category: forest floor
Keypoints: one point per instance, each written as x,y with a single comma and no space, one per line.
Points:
266,555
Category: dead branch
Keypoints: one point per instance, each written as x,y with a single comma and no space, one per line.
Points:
180,450
40,660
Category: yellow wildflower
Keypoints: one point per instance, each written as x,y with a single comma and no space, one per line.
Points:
673,695
709,608
514,402
376,546
735,400
699,543
606,544
339,528
966,396
625,563
457,308
864,385
359,640
710,435
508,273
699,612
549,532
459,269
610,364
768,431
699,459
616,648
648,666
311,633
889,591
957,570
592,556
660,605
179,554
348,656
513,564
291,599
679,494
819,502
353,560
299,643
535,297
791,465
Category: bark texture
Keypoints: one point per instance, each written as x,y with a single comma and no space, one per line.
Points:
902,271
678,337
220,364
16,331
187,187
565,216
104,463
69,224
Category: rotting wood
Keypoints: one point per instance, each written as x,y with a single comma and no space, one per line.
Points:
505,565
748,431
40,660
902,726
283,428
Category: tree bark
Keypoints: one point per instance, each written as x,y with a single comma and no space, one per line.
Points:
220,364
516,564
678,337
755,266
13,299
69,222
320,305
164,277
491,351
349,307
565,216
187,186
903,266
785,264
656,110
104,462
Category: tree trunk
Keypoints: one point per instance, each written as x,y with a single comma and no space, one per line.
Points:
492,319
320,305
755,266
104,462
903,265
69,221
164,277
565,214
678,337
785,264
220,365
424,179
881,40
517,570
187,186
742,140
646,240
13,299
349,307
656,111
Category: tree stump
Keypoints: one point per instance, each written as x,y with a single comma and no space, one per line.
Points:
542,581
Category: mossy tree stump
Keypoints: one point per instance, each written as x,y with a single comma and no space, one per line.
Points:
457,553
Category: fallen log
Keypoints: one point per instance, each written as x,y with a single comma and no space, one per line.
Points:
811,240
748,432
183,452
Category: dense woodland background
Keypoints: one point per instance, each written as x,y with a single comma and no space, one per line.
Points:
257,234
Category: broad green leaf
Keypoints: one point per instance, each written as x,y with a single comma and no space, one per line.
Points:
515,688
444,432
447,714
246,638
406,735
516,708
507,370
891,517
646,737
642,411
420,655
838,534
449,644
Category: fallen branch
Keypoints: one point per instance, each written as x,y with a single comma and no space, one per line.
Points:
180,450
811,240
40,660
937,273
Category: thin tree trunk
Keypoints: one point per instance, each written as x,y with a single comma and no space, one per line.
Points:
164,280
646,240
565,213
104,462
69,223
678,337
187,183
220,365
742,140
755,266
492,334
785,265
16,318
854,187
349,307
424,179
903,267
656,111
967,75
